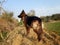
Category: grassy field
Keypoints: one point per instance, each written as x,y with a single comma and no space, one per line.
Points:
53,26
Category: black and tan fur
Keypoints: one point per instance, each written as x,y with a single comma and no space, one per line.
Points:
32,22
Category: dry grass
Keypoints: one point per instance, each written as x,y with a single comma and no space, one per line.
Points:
18,37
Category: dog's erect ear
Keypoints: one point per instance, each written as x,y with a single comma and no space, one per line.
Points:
22,14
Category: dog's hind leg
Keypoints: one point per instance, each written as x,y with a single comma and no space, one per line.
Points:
39,37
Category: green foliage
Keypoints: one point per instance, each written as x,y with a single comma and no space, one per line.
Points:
4,34
21,22
55,26
45,19
1,39
54,17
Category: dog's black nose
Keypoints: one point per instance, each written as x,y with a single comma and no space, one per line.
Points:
18,16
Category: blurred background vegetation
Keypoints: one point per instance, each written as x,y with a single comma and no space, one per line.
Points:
10,27
7,24
52,23
53,17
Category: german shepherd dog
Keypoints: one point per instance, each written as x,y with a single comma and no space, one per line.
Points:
32,22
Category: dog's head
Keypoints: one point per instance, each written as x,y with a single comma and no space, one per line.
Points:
22,14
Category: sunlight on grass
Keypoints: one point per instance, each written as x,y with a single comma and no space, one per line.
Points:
55,26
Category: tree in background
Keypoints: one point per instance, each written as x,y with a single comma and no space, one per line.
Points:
55,17
31,13
45,19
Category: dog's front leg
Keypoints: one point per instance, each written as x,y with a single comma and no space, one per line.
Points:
28,30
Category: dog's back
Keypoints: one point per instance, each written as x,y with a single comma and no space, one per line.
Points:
30,19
